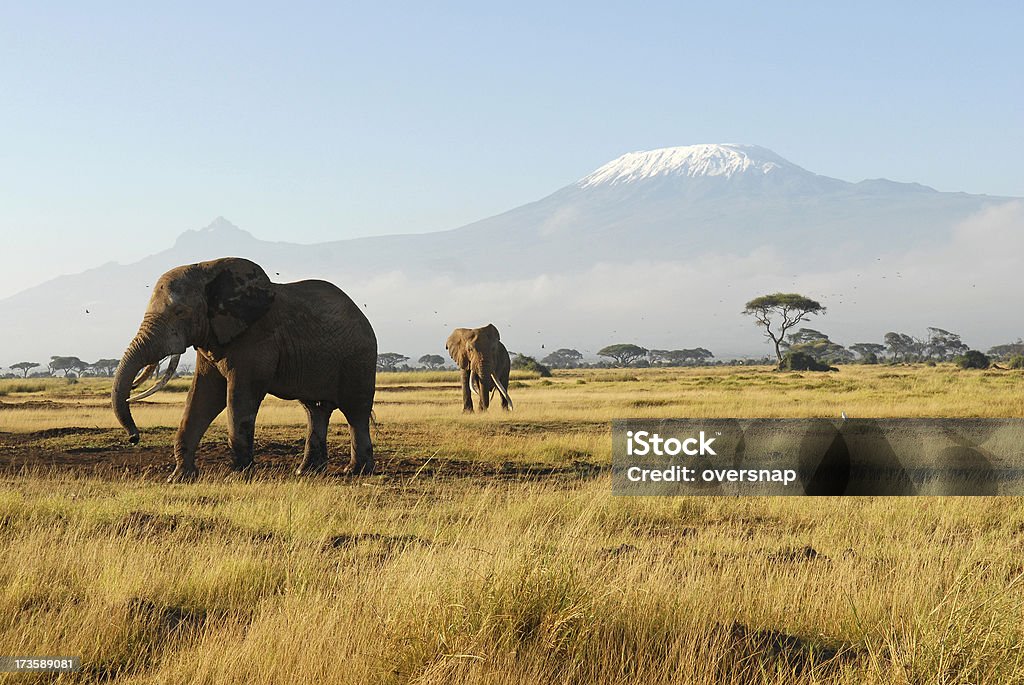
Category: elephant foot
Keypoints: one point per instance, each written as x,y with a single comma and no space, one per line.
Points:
311,468
240,466
365,468
183,474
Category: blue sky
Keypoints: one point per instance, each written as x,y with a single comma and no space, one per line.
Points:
123,125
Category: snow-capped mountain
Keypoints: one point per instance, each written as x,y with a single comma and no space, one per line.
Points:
691,161
661,247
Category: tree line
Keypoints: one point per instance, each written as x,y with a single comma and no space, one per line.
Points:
66,366
778,314
70,367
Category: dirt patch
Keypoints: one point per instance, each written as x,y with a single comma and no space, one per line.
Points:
103,453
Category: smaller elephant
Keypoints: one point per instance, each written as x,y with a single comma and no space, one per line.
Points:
485,365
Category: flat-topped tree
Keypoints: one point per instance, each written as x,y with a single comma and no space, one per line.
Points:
105,367
432,361
624,354
869,352
389,361
25,366
564,358
779,312
67,365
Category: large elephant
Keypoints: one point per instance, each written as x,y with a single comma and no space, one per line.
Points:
485,365
304,341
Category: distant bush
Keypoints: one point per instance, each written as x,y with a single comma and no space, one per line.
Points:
973,359
1016,361
23,386
521,362
801,361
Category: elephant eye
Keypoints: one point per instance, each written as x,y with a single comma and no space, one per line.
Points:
179,310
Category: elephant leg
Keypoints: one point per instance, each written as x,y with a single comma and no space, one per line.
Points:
467,393
360,445
206,400
314,459
243,404
483,397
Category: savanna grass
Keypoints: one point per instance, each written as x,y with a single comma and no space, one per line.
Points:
435,577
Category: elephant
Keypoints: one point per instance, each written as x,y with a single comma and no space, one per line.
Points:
305,341
485,365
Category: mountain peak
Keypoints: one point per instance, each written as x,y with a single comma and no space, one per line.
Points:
220,230
220,224
724,160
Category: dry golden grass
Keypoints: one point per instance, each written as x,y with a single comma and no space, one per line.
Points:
422,578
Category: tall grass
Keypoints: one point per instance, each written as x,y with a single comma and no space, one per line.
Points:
462,581
428,579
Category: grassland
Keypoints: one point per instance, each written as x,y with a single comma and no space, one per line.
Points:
489,549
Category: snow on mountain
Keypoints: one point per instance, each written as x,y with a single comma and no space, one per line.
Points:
691,161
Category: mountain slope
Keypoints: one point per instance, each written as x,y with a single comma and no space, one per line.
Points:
697,209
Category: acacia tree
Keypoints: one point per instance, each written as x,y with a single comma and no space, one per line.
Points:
818,345
869,352
697,355
943,345
387,361
25,366
432,361
565,358
66,364
999,351
779,312
901,344
105,366
624,354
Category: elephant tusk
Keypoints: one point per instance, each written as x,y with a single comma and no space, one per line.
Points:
502,390
144,375
172,365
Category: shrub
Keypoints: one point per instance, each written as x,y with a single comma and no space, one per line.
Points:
801,361
972,359
521,362
1016,361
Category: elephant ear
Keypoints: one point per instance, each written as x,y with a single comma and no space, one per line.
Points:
238,295
456,346
491,332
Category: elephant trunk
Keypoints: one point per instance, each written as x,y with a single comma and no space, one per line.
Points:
145,349
483,373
